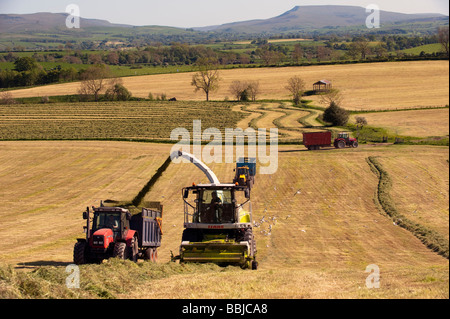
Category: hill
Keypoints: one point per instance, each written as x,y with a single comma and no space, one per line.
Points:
46,21
305,18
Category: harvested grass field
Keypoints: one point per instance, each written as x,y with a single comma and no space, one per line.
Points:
365,86
419,123
110,120
322,227
46,185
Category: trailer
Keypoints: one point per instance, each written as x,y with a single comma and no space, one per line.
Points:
245,171
115,232
316,140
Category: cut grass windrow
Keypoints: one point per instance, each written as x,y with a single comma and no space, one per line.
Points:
429,237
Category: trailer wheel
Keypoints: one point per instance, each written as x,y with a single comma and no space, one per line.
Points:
155,255
120,250
148,254
133,250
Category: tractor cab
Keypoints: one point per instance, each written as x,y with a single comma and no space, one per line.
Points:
344,135
242,174
115,219
109,225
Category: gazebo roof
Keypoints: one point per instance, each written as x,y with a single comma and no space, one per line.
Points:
323,82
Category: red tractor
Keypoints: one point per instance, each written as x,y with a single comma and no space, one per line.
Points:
344,140
114,232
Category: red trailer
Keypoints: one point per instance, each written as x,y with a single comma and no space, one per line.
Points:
316,140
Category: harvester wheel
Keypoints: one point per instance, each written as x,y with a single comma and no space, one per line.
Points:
79,253
120,250
254,265
250,238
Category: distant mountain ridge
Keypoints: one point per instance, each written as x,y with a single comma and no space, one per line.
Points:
46,21
315,17
300,18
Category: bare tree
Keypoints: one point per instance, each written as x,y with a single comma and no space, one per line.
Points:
236,89
6,98
207,79
331,96
94,80
253,89
297,87
443,38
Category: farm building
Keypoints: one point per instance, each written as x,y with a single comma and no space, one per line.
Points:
322,86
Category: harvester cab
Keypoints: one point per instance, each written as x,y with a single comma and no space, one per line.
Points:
218,223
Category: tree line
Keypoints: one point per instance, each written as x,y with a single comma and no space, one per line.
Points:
28,72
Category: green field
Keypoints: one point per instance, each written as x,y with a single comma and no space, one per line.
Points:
427,48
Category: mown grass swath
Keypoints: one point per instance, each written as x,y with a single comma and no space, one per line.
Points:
429,237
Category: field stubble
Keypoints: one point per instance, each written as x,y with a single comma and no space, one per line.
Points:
365,86
319,227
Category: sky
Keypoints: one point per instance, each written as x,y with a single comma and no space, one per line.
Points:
197,13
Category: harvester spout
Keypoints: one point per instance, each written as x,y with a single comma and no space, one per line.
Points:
205,169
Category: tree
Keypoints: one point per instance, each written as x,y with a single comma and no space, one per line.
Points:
297,87
94,80
25,64
207,79
335,115
236,89
117,91
297,54
253,89
443,38
359,47
331,96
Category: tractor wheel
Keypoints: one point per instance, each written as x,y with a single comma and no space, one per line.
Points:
341,144
355,144
120,250
79,253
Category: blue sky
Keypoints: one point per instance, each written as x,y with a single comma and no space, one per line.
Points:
195,13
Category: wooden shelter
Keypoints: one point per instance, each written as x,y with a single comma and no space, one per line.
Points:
322,86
